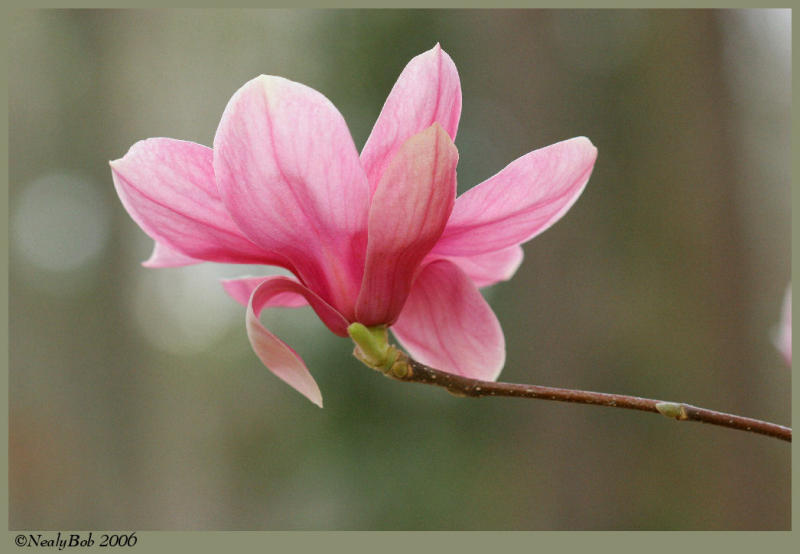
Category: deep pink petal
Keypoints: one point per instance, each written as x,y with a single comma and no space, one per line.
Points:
290,176
164,256
521,201
242,288
407,216
279,358
448,325
490,268
168,188
427,91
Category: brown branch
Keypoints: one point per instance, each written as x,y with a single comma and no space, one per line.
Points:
413,371
374,350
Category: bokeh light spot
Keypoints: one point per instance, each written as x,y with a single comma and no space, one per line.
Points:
60,222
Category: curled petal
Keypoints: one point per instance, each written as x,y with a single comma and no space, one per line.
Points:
277,290
521,201
168,188
241,290
490,268
428,91
447,324
279,358
407,216
290,176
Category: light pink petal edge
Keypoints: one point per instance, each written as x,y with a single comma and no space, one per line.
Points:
447,324
427,91
164,256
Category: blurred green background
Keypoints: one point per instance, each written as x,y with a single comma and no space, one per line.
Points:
137,403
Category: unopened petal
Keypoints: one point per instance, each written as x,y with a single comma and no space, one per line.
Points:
407,216
521,201
428,91
168,188
290,176
447,324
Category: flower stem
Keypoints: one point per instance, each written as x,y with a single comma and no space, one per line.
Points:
417,372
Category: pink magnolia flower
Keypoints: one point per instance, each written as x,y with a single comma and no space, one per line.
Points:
377,238
783,340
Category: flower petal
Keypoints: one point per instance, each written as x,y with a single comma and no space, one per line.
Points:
783,339
290,176
280,291
407,216
168,188
447,324
241,290
279,358
427,91
164,256
490,268
521,201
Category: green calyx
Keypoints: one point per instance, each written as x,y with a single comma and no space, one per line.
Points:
374,350
372,343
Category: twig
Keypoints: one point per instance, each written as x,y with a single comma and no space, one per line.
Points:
463,386
374,350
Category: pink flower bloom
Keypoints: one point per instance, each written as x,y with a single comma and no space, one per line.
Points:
784,338
377,238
